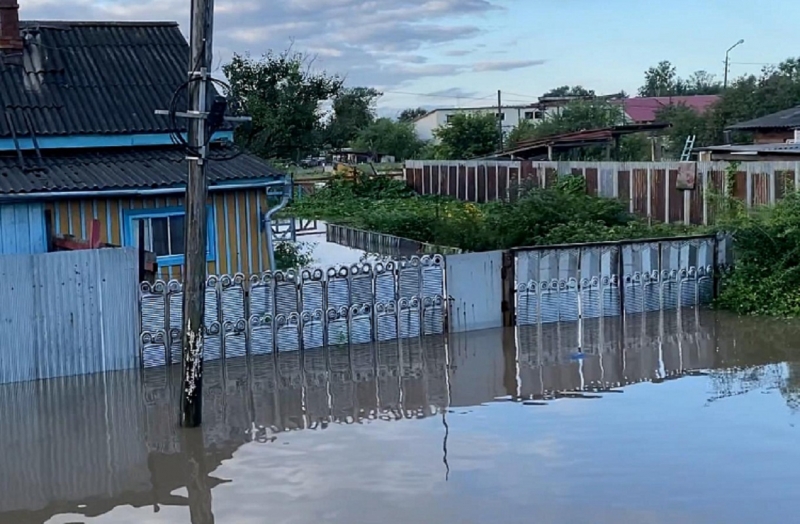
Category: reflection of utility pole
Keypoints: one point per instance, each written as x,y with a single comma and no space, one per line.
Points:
727,62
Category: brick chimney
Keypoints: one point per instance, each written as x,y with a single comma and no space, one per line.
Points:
10,39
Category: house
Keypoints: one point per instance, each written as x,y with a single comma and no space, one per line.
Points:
510,116
644,110
773,128
82,147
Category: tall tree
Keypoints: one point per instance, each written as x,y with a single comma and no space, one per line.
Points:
466,136
283,95
701,83
663,80
389,137
660,80
408,115
353,110
564,91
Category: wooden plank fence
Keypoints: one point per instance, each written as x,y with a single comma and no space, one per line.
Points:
648,187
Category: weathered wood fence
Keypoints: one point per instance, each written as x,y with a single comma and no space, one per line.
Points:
650,188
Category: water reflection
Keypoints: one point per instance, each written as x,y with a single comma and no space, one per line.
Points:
85,445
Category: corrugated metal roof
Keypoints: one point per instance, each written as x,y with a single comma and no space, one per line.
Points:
125,168
786,119
645,109
93,77
755,149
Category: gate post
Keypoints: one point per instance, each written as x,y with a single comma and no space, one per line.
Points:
508,276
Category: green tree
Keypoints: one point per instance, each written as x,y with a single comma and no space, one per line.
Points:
353,110
663,80
684,121
582,115
701,83
466,136
660,80
563,91
283,97
389,137
751,96
525,130
409,115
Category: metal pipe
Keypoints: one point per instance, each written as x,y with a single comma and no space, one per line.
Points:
126,192
287,196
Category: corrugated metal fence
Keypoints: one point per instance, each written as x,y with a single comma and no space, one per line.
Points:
67,313
290,311
648,187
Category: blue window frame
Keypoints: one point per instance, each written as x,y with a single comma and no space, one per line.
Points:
164,233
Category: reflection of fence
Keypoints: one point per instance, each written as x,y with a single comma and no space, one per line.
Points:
565,283
289,311
648,187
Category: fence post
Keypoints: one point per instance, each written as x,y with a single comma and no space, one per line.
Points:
621,278
507,274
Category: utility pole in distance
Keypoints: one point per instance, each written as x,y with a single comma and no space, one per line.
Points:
196,223
500,121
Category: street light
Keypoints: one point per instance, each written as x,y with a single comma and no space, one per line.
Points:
725,82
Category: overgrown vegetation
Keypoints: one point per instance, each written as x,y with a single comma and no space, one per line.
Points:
564,214
293,255
766,276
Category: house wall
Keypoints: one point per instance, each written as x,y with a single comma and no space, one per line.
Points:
512,115
22,229
772,136
239,244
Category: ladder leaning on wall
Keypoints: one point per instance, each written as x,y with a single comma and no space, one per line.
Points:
686,155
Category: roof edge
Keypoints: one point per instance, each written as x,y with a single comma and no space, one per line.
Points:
97,23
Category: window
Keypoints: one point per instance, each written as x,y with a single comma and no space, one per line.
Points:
449,118
533,115
501,116
164,233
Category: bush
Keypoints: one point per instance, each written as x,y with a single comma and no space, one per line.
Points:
564,214
766,278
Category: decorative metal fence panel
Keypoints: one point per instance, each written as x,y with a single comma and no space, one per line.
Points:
604,280
290,311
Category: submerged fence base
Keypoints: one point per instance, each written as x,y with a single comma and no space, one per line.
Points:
290,311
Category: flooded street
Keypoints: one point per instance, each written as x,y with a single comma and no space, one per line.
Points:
687,418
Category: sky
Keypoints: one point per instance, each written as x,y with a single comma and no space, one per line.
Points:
445,53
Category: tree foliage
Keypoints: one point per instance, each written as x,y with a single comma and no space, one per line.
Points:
566,91
663,80
386,136
353,110
282,94
466,136
409,115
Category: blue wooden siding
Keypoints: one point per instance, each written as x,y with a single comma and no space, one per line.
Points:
22,229
95,141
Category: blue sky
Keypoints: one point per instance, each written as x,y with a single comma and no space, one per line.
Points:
460,52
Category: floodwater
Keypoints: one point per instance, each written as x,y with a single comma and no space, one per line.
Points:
688,418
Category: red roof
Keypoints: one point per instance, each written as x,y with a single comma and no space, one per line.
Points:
644,109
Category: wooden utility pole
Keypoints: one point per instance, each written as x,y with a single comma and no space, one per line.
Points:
196,234
499,121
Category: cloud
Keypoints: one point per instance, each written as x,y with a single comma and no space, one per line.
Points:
505,65
371,43
458,52
453,92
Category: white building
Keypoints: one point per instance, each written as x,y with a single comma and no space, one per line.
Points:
511,116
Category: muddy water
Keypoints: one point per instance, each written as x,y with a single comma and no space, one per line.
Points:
687,419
